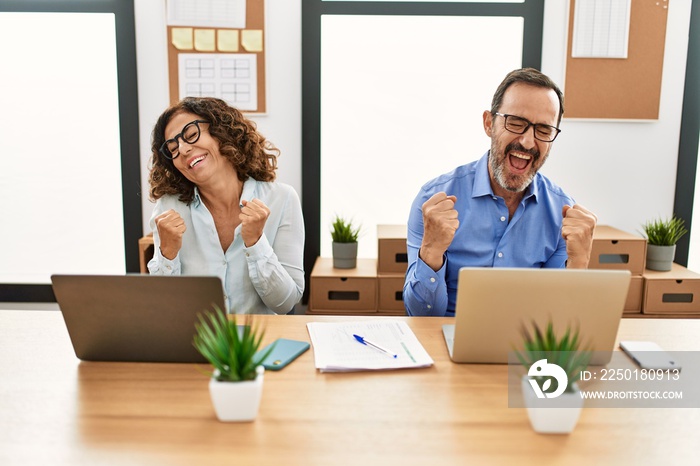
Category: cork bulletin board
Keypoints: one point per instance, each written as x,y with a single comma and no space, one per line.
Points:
217,49
620,88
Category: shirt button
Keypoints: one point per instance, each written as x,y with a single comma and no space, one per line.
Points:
247,254
429,306
500,254
503,219
432,279
168,267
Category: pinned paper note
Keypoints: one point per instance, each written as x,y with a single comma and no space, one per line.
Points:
252,40
204,40
228,76
207,13
227,40
601,29
182,38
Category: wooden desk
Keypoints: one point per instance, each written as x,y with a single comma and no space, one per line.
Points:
57,410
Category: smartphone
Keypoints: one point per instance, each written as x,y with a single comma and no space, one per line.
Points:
284,352
649,355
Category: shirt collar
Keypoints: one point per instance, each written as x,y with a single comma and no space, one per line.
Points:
482,181
197,198
533,190
250,190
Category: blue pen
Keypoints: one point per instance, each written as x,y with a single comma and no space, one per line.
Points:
365,341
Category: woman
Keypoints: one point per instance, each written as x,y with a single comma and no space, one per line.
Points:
219,211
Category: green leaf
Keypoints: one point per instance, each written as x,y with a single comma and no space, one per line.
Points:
664,232
566,351
231,353
343,231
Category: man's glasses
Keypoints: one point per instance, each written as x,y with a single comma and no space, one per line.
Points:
189,134
518,125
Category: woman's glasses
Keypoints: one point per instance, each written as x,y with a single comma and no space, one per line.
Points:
189,134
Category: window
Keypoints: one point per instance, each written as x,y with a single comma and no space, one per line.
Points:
375,73
69,126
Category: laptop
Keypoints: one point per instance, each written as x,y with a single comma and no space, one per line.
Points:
494,304
138,318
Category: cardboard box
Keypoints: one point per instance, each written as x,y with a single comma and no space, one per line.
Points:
390,293
617,250
343,291
674,292
633,305
391,246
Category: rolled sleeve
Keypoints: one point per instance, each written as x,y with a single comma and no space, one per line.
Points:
425,290
160,265
276,271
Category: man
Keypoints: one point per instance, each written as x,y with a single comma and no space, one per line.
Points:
498,211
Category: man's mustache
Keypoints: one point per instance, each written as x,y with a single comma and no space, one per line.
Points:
517,146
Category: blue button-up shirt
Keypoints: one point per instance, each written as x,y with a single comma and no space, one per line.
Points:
266,278
485,237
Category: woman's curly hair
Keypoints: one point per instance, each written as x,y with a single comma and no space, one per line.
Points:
239,141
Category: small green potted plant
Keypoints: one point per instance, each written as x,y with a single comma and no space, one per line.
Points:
344,235
662,236
550,388
236,383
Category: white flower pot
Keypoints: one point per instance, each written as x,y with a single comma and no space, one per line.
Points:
237,401
552,415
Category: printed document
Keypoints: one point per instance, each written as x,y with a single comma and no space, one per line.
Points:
336,349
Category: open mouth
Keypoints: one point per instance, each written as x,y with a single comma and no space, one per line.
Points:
519,158
195,161
519,161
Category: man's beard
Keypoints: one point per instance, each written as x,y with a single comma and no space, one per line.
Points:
515,184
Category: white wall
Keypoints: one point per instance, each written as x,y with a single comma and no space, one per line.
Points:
623,171
282,122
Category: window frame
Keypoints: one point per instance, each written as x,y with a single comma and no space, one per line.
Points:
128,123
532,12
